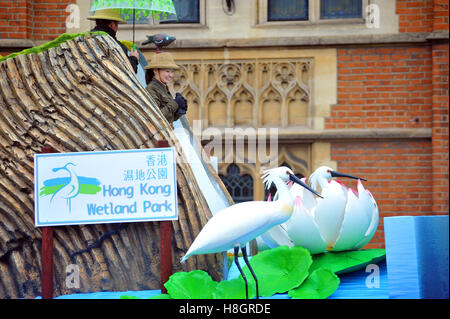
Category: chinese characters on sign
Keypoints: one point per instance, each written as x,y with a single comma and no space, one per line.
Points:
156,169
105,187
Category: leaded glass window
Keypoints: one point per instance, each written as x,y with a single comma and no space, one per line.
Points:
285,10
340,9
188,11
239,187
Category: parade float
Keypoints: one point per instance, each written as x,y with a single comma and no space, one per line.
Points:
78,93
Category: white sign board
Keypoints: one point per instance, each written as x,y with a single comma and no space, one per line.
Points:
105,187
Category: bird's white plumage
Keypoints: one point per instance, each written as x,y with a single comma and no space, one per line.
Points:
238,224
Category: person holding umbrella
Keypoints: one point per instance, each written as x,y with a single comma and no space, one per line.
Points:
159,74
108,20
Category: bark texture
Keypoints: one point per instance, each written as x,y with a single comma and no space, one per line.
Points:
83,96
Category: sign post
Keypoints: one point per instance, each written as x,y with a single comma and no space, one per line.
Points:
47,253
47,263
165,229
105,187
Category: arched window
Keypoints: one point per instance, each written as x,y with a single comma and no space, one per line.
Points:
239,187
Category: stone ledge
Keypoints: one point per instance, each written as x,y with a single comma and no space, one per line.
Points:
422,37
310,135
401,38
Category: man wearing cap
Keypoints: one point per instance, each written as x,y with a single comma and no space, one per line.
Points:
107,20
159,74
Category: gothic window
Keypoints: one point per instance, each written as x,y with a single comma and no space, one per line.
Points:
188,11
239,187
310,11
285,10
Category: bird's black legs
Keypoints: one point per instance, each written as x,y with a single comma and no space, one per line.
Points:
236,252
244,254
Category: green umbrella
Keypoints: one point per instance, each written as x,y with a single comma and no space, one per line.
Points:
132,9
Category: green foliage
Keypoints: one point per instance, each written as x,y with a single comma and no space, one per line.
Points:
347,261
52,44
234,289
278,270
161,296
128,297
320,284
195,284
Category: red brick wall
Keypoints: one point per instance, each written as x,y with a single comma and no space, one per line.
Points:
415,16
399,176
398,86
440,12
384,87
422,16
33,19
440,148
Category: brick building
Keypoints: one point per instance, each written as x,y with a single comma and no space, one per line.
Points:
369,100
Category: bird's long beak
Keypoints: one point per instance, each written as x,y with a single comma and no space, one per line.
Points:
337,174
297,180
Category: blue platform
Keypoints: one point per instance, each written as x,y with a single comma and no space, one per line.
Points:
417,256
352,285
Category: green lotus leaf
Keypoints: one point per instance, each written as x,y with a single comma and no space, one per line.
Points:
161,296
196,284
279,269
347,261
320,284
128,297
234,289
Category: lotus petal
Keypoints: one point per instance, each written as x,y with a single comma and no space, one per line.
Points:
303,230
277,236
358,214
330,211
373,224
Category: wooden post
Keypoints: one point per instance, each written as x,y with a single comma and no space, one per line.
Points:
47,263
47,253
165,240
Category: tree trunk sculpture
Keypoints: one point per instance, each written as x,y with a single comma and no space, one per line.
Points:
83,96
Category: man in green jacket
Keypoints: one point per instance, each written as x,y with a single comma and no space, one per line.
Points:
159,74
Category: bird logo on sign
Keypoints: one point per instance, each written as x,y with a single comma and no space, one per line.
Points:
69,187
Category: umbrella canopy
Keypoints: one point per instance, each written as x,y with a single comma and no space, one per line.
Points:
133,10
136,8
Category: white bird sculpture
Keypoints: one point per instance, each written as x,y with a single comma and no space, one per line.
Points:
343,220
71,189
236,225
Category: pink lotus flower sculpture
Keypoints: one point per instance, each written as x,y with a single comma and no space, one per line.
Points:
344,219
